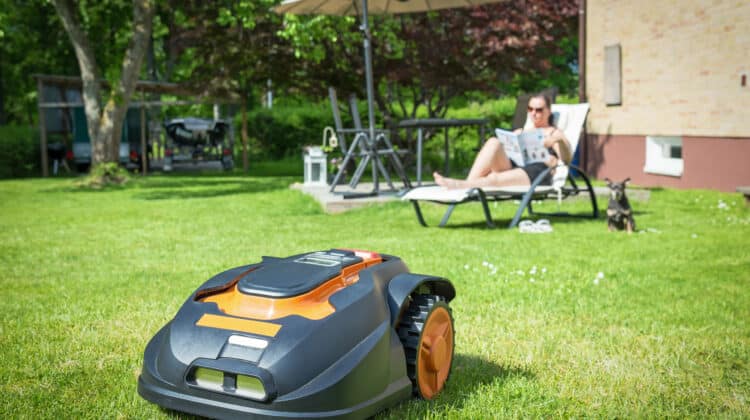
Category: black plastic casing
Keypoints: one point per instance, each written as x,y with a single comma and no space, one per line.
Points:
350,364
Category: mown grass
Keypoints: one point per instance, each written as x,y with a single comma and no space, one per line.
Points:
87,277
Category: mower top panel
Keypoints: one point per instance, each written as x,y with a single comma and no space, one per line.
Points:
295,275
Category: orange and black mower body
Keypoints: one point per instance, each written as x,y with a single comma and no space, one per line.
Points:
327,334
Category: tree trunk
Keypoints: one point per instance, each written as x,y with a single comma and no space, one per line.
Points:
89,74
105,124
117,106
245,160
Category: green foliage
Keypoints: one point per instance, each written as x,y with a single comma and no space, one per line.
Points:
19,151
244,13
306,34
33,42
288,167
89,277
562,72
283,130
108,25
499,112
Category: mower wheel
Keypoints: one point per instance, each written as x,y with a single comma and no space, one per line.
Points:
426,332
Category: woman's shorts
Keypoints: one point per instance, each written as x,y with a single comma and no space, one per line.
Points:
533,170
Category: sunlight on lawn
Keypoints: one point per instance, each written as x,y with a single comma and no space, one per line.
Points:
576,323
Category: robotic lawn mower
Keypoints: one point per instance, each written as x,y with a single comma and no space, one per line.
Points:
336,333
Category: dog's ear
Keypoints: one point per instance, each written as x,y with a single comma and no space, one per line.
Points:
626,181
608,181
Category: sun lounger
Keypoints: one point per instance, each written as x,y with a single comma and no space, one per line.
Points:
570,119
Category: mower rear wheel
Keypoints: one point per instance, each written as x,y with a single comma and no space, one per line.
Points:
427,334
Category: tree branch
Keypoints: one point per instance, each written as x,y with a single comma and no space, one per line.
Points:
143,18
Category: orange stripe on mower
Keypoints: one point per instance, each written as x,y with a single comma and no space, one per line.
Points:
236,324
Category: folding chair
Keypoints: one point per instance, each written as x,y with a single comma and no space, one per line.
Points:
362,147
570,119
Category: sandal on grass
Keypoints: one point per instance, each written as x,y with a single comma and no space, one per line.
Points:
541,226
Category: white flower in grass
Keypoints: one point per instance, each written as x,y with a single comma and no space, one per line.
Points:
466,266
596,281
533,270
544,270
694,236
600,275
532,280
722,205
520,272
485,263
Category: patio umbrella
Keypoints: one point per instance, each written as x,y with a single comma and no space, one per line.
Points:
354,7
363,7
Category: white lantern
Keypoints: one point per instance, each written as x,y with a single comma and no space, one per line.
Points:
315,166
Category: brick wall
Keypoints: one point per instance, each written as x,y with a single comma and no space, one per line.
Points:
681,67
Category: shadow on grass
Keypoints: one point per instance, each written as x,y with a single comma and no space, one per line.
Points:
164,187
174,414
578,217
171,188
468,376
502,224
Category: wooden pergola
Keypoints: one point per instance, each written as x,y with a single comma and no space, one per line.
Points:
140,101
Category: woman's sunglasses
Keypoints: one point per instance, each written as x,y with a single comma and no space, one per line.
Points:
532,109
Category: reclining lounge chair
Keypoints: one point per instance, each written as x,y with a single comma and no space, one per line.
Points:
568,118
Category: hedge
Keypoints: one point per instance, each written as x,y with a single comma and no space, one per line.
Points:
19,151
283,130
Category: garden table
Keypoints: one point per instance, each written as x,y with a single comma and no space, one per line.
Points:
445,123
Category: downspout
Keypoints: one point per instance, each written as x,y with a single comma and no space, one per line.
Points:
582,51
583,158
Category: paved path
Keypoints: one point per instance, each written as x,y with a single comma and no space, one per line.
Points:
336,203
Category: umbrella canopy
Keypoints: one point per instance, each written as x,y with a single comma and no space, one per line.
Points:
353,7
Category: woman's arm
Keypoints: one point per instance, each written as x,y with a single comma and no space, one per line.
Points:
557,140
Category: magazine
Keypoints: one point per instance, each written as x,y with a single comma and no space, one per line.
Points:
523,148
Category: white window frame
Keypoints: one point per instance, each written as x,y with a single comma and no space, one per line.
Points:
657,162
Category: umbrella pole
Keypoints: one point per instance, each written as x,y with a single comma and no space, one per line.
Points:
370,94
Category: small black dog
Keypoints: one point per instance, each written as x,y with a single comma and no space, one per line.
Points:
619,213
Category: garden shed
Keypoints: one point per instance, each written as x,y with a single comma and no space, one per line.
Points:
62,118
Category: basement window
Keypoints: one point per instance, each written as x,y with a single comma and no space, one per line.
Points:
664,155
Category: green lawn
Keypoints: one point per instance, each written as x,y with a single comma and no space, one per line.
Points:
577,323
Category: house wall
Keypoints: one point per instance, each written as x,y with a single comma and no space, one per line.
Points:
710,162
681,64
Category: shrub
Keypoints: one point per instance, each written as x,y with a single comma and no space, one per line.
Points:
283,130
19,151
104,175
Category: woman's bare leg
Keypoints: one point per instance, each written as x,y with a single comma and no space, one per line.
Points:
491,158
515,176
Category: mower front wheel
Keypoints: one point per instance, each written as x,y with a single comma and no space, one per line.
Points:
427,334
